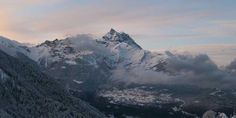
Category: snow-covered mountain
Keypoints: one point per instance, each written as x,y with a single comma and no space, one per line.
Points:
82,55
114,49
116,72
113,57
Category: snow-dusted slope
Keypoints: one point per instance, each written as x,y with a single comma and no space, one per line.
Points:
12,47
67,51
26,92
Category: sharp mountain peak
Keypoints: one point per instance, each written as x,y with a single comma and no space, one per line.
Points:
113,36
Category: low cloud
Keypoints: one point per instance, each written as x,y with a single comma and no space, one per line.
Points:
232,67
180,69
221,54
199,65
199,70
139,76
87,42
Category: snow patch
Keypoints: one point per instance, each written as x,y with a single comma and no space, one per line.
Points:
63,67
78,82
3,75
70,62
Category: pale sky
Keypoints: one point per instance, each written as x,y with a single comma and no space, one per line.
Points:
154,24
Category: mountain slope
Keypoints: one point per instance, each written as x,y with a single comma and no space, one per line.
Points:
12,47
26,92
92,62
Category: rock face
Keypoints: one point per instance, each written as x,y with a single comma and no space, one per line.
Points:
26,92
